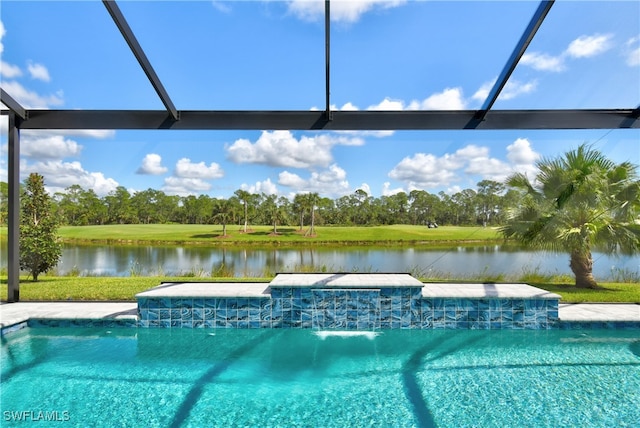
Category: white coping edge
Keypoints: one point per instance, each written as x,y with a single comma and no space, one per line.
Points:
429,290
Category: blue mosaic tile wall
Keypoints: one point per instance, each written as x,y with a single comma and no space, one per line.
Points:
489,314
236,312
348,309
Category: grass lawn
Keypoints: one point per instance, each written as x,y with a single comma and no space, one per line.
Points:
125,288
212,234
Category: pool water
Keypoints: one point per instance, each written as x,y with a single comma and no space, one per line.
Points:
400,378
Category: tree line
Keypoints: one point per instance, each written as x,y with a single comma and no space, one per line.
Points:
485,205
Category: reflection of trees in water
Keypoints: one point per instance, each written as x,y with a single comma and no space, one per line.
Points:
452,262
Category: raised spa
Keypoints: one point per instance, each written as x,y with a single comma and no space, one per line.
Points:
347,301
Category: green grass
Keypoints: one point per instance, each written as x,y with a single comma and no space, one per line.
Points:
212,235
63,288
609,292
53,288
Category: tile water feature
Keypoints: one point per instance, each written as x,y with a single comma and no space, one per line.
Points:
348,302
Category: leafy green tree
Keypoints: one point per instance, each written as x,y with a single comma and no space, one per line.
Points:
40,249
119,208
488,196
73,206
577,202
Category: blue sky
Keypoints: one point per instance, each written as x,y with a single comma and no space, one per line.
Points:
269,55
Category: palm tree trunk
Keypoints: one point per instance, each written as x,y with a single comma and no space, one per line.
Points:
582,266
245,217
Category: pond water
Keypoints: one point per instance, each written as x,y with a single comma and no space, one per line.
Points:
456,262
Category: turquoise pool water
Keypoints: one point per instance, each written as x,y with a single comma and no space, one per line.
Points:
400,378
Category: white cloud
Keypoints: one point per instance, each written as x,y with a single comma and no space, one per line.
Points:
187,169
48,147
348,11
388,105
488,168
331,181
266,187
39,72
469,152
282,149
366,188
347,107
588,46
289,179
512,89
632,51
9,71
521,153
185,186
84,133
582,47
522,157
515,88
483,92
388,191
152,165
543,62
59,175
449,99
29,99
424,171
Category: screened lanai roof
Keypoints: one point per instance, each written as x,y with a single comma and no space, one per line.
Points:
455,66
162,78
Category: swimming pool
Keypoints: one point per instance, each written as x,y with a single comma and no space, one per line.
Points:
272,377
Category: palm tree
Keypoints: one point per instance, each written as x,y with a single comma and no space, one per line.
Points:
579,201
225,210
312,201
300,205
246,198
276,210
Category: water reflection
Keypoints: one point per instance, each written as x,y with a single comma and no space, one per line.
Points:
253,262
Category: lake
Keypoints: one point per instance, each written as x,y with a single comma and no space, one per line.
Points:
460,262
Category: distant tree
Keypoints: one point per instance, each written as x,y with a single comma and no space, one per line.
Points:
488,196
312,201
40,249
224,211
246,198
119,208
578,201
300,205
275,209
